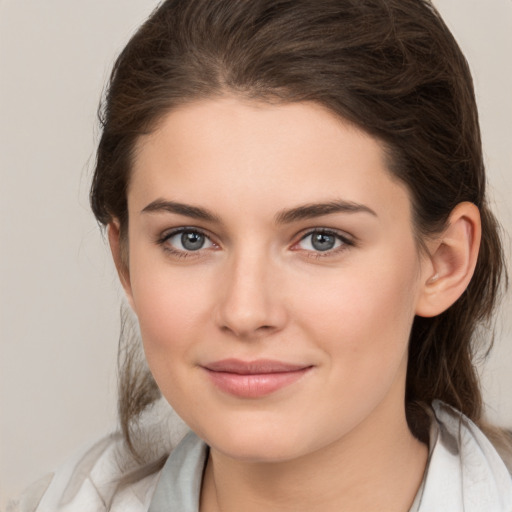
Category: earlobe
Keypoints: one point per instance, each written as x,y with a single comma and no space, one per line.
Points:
120,257
453,257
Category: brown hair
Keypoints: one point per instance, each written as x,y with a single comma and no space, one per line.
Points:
392,68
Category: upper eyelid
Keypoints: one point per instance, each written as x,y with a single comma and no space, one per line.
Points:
168,233
328,231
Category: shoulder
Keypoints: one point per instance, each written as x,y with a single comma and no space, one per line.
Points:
465,471
90,482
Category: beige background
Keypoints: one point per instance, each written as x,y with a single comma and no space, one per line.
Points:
59,298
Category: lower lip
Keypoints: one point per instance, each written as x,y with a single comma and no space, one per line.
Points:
254,385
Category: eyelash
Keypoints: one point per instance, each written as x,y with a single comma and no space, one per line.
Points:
162,241
346,242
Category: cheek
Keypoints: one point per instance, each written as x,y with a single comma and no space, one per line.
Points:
171,321
364,311
362,326
171,307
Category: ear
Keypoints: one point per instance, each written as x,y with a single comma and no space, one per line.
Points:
119,250
451,261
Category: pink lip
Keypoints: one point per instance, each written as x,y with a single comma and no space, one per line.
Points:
253,379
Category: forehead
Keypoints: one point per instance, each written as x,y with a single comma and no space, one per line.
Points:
246,154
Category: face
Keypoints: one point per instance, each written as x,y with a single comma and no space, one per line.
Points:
275,275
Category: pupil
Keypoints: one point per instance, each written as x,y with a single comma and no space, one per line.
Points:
323,242
192,241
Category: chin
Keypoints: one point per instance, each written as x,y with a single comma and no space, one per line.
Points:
257,451
258,442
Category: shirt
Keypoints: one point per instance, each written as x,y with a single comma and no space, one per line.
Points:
464,474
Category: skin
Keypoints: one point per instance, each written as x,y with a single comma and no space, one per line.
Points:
337,438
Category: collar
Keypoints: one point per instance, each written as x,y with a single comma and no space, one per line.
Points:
464,471
179,485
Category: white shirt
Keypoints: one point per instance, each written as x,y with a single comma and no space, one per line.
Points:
464,474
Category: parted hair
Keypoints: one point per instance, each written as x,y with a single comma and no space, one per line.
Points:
390,67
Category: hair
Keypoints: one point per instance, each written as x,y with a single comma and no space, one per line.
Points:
390,67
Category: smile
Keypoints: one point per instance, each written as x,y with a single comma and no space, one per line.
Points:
253,379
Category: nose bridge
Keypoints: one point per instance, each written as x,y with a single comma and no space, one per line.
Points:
249,303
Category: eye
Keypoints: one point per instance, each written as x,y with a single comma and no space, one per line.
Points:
187,240
322,241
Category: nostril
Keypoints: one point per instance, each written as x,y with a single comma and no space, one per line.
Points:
246,332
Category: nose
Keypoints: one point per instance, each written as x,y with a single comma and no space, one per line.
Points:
250,300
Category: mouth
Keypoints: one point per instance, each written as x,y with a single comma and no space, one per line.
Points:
254,379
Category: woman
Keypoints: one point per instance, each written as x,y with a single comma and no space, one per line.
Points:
295,200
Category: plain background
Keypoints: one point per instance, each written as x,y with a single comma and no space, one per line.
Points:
59,298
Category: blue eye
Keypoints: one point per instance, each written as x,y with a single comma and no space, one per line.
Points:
322,241
188,240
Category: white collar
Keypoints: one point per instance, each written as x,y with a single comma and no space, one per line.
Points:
465,473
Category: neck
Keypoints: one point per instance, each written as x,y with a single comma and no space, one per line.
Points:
378,466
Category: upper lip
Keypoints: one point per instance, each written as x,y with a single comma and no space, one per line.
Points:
258,366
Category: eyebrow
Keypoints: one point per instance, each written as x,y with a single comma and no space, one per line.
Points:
310,211
307,211
160,205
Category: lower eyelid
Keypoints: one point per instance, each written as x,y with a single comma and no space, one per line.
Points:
176,253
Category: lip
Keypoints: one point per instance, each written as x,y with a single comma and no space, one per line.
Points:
253,379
